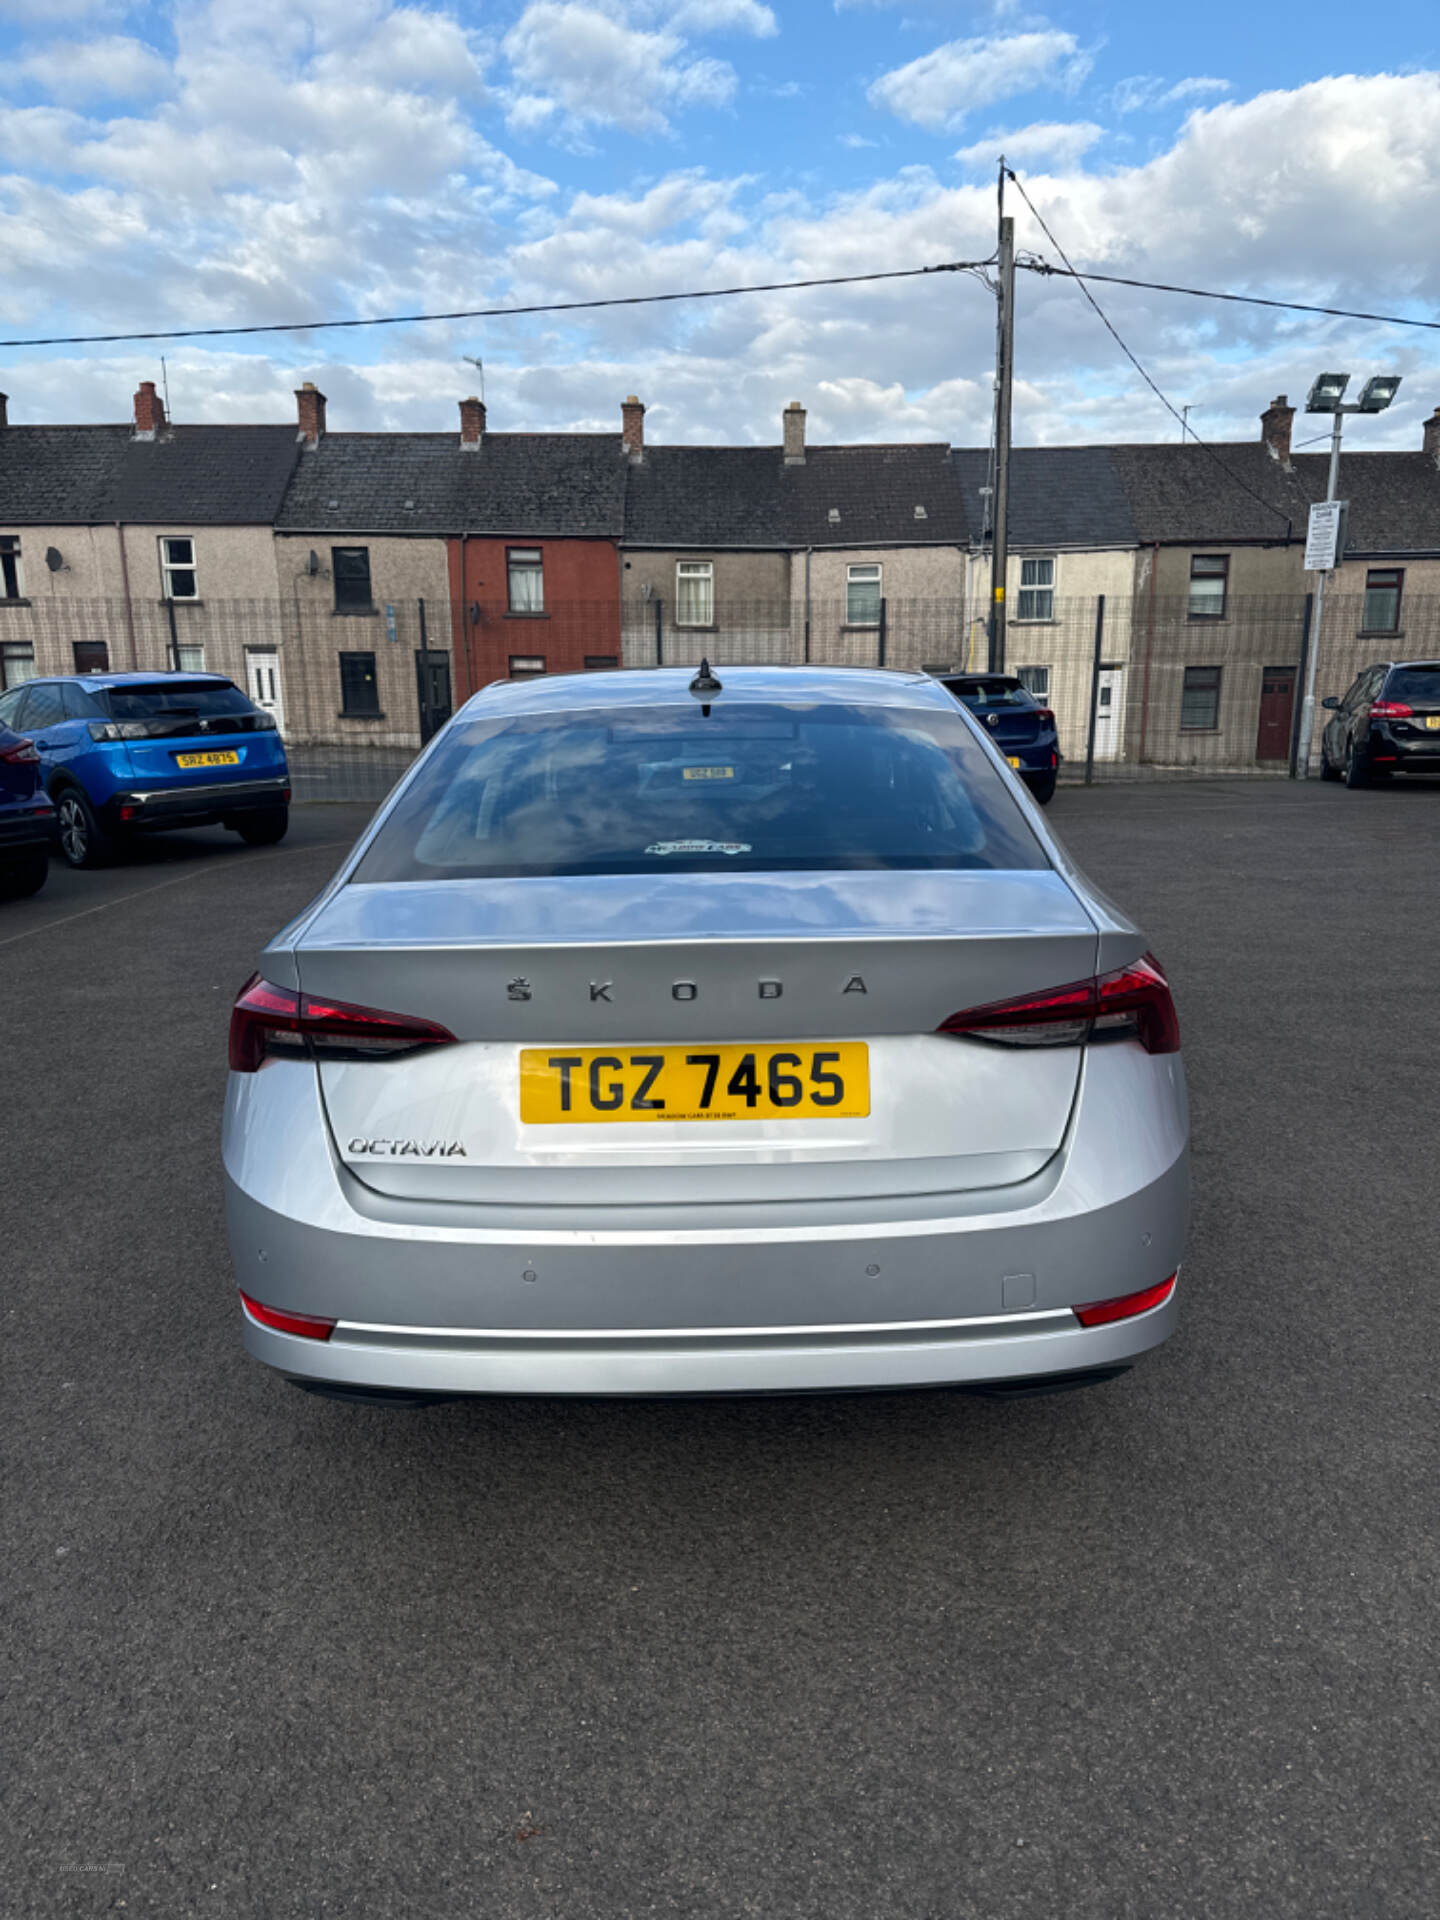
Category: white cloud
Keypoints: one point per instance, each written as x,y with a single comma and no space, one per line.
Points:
941,87
114,67
596,70
1145,92
722,16
1060,141
856,140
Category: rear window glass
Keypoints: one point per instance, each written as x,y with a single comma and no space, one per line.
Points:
204,698
991,693
753,789
1420,686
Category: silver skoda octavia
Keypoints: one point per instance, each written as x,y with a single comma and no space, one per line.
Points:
669,1037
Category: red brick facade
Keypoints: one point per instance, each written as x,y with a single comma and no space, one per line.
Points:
579,624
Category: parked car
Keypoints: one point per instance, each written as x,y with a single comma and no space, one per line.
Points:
125,753
1020,725
676,1037
27,819
1389,722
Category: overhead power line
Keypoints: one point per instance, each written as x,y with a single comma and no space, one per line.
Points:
494,313
1110,328
1067,272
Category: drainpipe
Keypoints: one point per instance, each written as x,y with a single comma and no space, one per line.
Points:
1149,647
808,552
129,606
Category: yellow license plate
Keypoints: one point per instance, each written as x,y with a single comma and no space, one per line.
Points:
1432,720
207,759
800,1081
1011,758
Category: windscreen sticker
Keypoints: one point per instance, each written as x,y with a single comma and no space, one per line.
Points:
663,847
709,773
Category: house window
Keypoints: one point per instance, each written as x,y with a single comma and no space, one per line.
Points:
1037,589
178,579
1209,574
1036,680
359,689
17,663
526,574
12,584
862,596
526,666
599,662
192,658
694,593
1200,701
350,568
92,656
1383,586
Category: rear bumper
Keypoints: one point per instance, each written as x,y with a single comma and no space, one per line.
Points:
192,806
920,1290
26,832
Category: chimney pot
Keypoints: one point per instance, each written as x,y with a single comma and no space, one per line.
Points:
472,424
1275,426
794,423
4,409
149,412
310,406
632,427
1431,441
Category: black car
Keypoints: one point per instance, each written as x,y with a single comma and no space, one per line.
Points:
1020,726
27,819
1389,722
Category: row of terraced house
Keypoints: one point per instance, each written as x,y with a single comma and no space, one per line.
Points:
363,584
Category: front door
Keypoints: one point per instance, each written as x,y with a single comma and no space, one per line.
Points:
432,690
1109,700
262,682
1277,707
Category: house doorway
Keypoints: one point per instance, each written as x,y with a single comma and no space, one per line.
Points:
1277,709
1109,700
262,682
432,687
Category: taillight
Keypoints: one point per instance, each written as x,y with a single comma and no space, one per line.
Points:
1390,710
269,1020
1132,1003
309,1326
22,754
1101,1312
1045,717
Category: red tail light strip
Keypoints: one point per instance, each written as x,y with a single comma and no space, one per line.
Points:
309,1326
1390,710
265,1014
1101,1312
1134,999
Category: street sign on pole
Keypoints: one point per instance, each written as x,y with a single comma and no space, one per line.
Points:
1324,542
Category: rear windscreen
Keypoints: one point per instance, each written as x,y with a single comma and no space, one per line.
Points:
990,693
752,789
202,699
1419,686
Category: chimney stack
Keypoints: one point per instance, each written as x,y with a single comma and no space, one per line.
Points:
472,424
1275,425
1431,442
149,412
632,427
310,404
794,419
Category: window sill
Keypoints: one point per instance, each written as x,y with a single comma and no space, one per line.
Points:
16,600
538,614
355,613
860,626
1048,621
689,626
189,600
1362,633
343,715
1209,619
1208,733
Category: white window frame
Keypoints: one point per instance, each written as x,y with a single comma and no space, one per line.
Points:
527,566
10,548
865,573
192,655
169,566
1035,680
697,596
527,666
1036,598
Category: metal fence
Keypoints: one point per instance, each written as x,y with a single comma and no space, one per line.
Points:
1141,688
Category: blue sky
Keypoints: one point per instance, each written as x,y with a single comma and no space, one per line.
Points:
238,161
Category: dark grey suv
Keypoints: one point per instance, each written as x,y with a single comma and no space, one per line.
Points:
1389,722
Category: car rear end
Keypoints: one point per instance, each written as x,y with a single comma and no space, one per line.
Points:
649,1049
173,750
1021,727
27,818
1405,721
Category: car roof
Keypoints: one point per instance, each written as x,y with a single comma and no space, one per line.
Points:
89,680
670,687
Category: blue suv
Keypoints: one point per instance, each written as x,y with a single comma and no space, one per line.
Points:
124,753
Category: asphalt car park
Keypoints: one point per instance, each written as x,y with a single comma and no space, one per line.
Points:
1166,1647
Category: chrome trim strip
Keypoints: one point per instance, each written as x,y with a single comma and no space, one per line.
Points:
1037,1321
236,789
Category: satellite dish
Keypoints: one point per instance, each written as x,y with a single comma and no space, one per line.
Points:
647,592
54,559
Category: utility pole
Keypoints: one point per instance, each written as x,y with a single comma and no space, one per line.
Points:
1004,368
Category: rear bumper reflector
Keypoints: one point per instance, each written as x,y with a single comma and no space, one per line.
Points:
1101,1312
308,1326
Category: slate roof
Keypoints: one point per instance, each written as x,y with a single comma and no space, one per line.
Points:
705,497
540,484
196,476
1238,492
1059,496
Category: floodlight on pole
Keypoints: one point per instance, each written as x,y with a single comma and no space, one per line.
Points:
1378,391
1327,392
